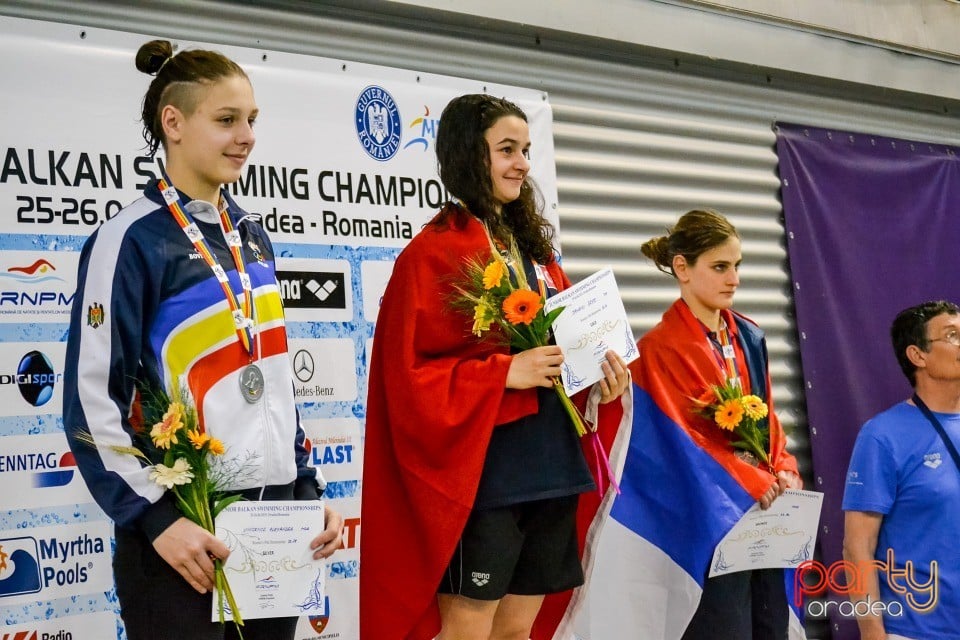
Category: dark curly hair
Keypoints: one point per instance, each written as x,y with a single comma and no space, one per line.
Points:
177,78
463,157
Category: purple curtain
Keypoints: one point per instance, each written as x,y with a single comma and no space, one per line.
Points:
873,227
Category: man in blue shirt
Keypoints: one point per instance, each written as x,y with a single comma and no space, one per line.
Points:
902,526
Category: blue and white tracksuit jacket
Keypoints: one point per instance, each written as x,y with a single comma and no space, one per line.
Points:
149,311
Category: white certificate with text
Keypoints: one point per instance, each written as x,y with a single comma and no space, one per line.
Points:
593,322
783,536
271,569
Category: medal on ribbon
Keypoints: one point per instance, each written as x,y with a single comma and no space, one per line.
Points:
252,382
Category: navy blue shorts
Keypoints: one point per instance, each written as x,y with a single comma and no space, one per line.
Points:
528,548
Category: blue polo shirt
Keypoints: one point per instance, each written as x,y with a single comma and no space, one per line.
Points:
901,469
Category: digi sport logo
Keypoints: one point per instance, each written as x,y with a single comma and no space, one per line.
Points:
36,378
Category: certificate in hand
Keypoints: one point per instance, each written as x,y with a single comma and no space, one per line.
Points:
593,321
783,536
271,569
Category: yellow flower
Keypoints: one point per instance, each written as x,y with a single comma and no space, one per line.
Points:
216,447
493,274
729,414
197,439
164,433
482,316
754,407
167,477
521,306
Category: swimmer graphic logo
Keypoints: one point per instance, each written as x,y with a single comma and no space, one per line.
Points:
377,119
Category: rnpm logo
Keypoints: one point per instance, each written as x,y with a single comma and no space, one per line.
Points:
19,566
33,289
377,119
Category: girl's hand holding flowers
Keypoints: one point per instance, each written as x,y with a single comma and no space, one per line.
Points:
744,416
502,304
185,460
188,547
537,367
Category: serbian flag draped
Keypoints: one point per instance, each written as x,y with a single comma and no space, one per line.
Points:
682,490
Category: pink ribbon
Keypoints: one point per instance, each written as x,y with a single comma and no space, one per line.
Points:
601,462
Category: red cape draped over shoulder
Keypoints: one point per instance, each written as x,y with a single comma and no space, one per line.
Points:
435,394
677,363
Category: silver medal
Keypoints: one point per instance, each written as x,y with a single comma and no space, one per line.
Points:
251,383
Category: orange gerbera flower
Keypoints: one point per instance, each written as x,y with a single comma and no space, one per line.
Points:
216,447
198,439
729,414
493,274
521,306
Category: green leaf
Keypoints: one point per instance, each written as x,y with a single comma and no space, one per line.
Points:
220,505
552,316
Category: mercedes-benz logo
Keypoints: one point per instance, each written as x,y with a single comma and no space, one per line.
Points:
303,365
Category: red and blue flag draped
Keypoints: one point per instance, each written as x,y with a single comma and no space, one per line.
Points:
682,491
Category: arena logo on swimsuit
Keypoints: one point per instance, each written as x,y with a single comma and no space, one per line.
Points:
843,578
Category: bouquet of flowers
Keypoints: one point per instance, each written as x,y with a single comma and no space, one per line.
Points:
496,293
183,459
744,416
494,298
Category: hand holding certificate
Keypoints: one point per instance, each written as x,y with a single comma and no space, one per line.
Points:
271,568
782,536
593,321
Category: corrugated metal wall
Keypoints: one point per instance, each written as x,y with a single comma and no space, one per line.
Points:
640,137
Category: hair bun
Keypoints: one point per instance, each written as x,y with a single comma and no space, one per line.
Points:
153,55
658,250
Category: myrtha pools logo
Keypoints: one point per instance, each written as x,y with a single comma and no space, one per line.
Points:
19,568
377,119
